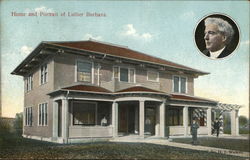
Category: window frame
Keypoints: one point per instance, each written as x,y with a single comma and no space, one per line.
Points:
28,116
43,74
96,113
179,84
91,74
172,113
152,71
43,120
29,82
129,72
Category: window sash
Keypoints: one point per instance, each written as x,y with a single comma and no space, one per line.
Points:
183,85
44,74
176,84
28,116
124,74
132,75
43,114
84,71
115,72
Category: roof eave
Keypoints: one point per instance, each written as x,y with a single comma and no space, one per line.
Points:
16,71
195,71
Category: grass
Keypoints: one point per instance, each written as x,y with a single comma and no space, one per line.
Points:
233,144
13,147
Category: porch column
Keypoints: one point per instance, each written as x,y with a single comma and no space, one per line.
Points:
237,122
157,122
162,119
55,121
65,120
185,120
136,120
234,123
209,121
141,120
115,118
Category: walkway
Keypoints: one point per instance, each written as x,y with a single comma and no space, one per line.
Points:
161,141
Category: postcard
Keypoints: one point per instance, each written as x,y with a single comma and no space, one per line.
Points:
124,79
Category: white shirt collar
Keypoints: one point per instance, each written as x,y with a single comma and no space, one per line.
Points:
216,54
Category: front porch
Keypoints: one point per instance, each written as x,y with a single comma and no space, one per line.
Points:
104,115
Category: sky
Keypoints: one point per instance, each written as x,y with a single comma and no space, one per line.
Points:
159,28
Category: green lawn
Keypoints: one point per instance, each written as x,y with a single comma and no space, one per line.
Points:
234,144
12,147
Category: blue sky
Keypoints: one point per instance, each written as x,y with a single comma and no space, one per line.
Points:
162,29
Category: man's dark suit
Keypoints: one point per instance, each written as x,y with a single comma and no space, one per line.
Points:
224,53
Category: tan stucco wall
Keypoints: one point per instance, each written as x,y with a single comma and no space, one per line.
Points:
61,73
37,96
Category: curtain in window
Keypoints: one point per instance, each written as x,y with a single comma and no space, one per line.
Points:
84,71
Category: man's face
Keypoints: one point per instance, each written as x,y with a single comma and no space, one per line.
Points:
214,39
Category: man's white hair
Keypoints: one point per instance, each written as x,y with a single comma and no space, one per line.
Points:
223,26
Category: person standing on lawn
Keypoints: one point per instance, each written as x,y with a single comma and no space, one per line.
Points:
217,127
194,129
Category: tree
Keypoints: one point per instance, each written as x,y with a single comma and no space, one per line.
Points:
243,120
18,123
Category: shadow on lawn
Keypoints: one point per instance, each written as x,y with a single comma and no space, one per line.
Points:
225,143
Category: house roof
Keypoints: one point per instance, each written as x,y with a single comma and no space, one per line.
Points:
190,98
87,88
121,51
105,49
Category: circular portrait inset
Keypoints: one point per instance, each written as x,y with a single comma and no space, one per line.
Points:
217,36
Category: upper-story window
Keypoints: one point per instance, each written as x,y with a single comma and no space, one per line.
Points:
28,116
127,75
84,71
44,74
29,83
179,84
153,76
116,72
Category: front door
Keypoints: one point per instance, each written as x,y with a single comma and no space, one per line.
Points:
150,120
126,118
123,119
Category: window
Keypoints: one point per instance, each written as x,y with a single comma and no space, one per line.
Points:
153,76
132,75
124,74
84,71
28,116
29,83
116,72
43,114
84,113
127,75
175,116
44,74
179,84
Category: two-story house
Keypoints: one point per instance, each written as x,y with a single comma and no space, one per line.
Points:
82,90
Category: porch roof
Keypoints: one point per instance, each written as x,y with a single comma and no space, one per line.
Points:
182,97
87,88
138,89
